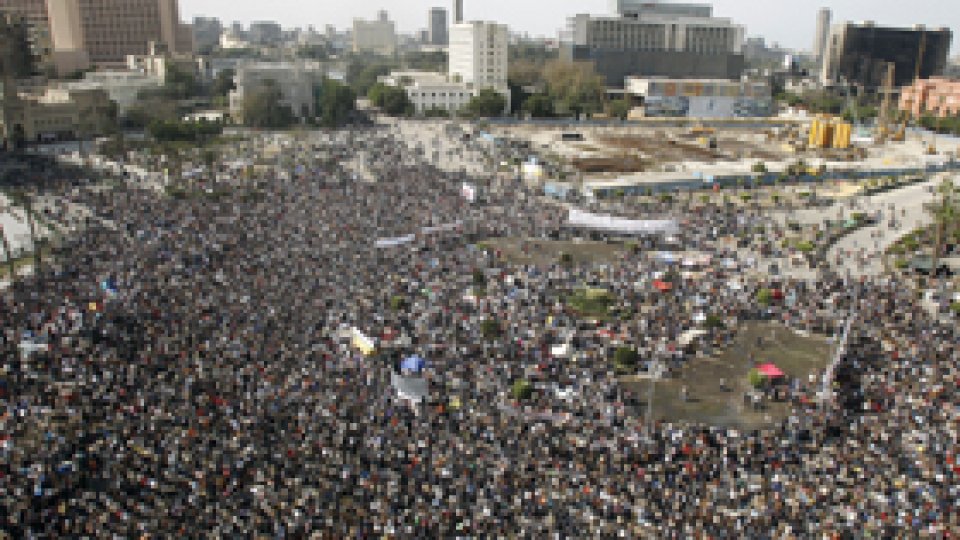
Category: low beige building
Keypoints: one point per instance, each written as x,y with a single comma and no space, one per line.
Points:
58,114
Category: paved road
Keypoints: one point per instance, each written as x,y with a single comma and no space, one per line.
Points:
910,214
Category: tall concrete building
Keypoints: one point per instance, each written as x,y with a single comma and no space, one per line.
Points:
438,28
478,53
478,56
859,54
638,8
207,32
656,39
379,36
106,31
823,32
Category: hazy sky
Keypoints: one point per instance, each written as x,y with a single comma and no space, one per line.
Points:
789,23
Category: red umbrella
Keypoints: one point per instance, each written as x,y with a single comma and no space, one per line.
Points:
771,371
662,286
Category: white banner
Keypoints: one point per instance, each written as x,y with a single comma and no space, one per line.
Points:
604,222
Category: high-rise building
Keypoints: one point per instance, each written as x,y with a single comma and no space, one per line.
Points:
457,11
264,32
860,53
438,28
656,39
823,32
106,31
639,8
207,32
478,55
379,36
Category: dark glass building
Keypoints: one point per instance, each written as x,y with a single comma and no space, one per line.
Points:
859,54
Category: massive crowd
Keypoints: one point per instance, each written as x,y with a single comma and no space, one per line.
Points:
183,371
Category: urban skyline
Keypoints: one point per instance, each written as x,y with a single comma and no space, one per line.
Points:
794,30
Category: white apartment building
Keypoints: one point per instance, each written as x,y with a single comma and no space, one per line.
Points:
431,91
478,55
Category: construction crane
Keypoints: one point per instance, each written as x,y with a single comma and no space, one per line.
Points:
883,128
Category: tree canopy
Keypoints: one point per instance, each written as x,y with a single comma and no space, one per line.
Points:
486,103
538,106
264,108
392,100
574,87
223,83
335,103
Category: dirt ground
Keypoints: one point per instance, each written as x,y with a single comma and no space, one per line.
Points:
542,252
796,355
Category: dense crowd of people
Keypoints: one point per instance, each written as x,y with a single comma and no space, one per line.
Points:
181,367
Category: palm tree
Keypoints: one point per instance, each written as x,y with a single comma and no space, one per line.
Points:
946,216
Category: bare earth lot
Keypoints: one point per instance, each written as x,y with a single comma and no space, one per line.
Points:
796,355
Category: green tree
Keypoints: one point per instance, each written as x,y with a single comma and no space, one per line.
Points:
392,100
264,108
180,82
759,167
223,83
625,358
490,329
764,297
486,103
18,138
364,70
398,303
755,378
619,108
521,390
538,106
335,103
479,278
714,321
946,215
574,87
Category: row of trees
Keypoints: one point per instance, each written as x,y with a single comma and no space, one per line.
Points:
334,102
194,132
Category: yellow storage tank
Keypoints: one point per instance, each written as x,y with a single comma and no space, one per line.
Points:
814,134
841,135
826,135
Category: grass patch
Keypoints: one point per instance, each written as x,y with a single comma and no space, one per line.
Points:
593,303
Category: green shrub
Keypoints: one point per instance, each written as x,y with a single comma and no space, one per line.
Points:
479,278
625,358
756,379
714,321
591,302
398,303
566,259
955,307
901,264
490,329
764,297
521,390
805,246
